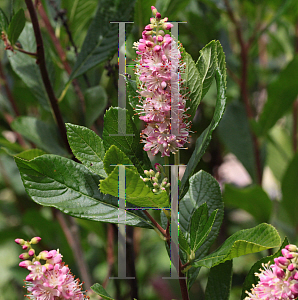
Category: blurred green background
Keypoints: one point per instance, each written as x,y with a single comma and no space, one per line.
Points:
253,154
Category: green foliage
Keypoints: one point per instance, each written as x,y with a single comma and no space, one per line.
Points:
204,139
290,191
99,290
261,237
283,87
3,21
27,69
251,278
16,26
87,147
59,182
235,133
96,101
252,199
43,135
102,37
219,281
127,141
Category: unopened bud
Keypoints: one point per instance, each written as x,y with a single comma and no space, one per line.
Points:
146,179
159,38
35,240
43,255
25,264
152,173
155,184
25,247
31,252
161,32
24,255
149,27
152,20
19,241
291,248
157,48
167,26
146,172
158,15
154,10
157,175
291,267
155,180
154,191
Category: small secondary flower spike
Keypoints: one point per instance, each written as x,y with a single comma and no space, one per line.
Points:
51,280
157,66
278,281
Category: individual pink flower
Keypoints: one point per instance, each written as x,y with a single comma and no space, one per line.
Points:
51,280
278,281
158,68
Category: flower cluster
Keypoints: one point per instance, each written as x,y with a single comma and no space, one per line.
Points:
51,280
158,66
155,179
278,281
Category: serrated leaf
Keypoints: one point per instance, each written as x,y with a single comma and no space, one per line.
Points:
256,239
284,87
219,281
102,37
45,136
27,69
192,83
251,278
59,182
87,147
3,21
200,227
290,191
183,244
96,100
99,290
203,189
252,199
204,139
136,191
127,143
238,139
16,26
115,156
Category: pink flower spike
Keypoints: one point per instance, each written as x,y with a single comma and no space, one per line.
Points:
19,241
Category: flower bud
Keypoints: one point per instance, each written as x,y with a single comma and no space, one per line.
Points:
25,247
25,264
146,179
154,10
154,191
163,85
168,185
151,172
154,179
149,27
149,44
146,172
158,15
161,32
291,248
19,241
43,255
31,252
155,184
157,175
35,240
291,267
152,20
284,252
24,255
157,48
159,38
283,261
167,26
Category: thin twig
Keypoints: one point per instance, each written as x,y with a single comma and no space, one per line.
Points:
155,223
34,54
44,73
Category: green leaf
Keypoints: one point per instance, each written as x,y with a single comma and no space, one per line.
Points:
59,182
96,100
30,154
284,87
238,139
16,26
252,199
183,243
114,156
44,136
27,69
129,144
136,191
204,139
256,239
251,278
87,147
200,226
203,189
192,84
3,21
219,281
132,94
13,148
289,189
79,15
102,37
99,290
